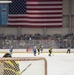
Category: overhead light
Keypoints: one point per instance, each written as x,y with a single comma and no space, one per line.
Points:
5,1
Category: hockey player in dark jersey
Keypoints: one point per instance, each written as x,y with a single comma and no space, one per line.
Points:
69,50
38,49
50,51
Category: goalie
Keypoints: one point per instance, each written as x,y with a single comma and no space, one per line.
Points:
9,67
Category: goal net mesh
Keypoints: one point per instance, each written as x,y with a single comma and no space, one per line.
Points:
23,66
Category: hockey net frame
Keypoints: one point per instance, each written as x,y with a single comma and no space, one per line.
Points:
34,60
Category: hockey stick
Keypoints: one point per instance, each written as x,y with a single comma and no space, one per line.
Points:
25,68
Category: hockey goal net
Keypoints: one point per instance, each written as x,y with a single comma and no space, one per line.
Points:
27,66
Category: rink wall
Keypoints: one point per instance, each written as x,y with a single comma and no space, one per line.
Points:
30,50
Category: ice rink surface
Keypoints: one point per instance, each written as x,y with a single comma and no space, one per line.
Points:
57,64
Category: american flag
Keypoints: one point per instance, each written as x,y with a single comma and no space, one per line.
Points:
36,13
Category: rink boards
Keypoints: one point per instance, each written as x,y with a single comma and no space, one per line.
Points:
30,50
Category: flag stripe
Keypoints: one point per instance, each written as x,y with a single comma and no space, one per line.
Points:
39,13
34,15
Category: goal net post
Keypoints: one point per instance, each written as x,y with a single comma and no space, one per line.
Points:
26,66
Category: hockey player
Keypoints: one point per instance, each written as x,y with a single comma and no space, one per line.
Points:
38,48
34,50
9,67
41,48
68,50
50,51
11,50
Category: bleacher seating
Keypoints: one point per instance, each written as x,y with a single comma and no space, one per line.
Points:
27,40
